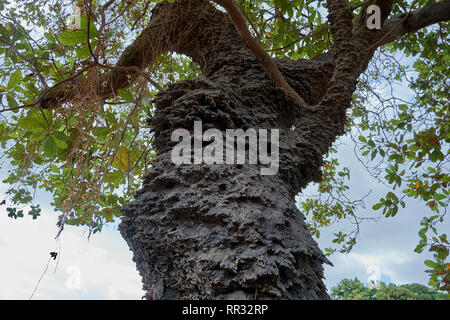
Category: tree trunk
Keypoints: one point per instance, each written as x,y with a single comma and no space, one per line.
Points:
226,231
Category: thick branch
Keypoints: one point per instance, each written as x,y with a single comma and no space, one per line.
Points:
400,25
346,57
181,26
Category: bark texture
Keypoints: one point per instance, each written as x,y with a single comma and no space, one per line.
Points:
226,231
223,231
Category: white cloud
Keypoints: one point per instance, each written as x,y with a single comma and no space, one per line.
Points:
3,243
389,262
105,264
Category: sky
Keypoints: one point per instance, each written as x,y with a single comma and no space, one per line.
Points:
102,267
387,245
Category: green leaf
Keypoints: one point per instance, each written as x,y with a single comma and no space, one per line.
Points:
84,52
394,211
30,124
422,234
50,147
92,28
431,264
420,247
72,37
60,140
391,195
48,117
54,168
38,135
374,154
125,95
377,206
439,196
15,79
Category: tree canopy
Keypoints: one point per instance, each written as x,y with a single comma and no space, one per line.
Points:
90,153
354,289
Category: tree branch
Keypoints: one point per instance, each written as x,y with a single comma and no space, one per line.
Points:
400,25
191,27
271,69
385,8
30,61
346,55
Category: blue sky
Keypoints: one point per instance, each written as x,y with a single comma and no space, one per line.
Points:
103,264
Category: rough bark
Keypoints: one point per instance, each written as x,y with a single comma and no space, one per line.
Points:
226,231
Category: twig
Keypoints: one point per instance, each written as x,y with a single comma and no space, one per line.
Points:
89,32
30,61
37,285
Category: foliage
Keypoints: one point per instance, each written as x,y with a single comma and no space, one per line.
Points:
349,289
91,156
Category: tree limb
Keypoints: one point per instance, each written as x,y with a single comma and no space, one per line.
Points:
269,66
194,28
346,55
430,14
